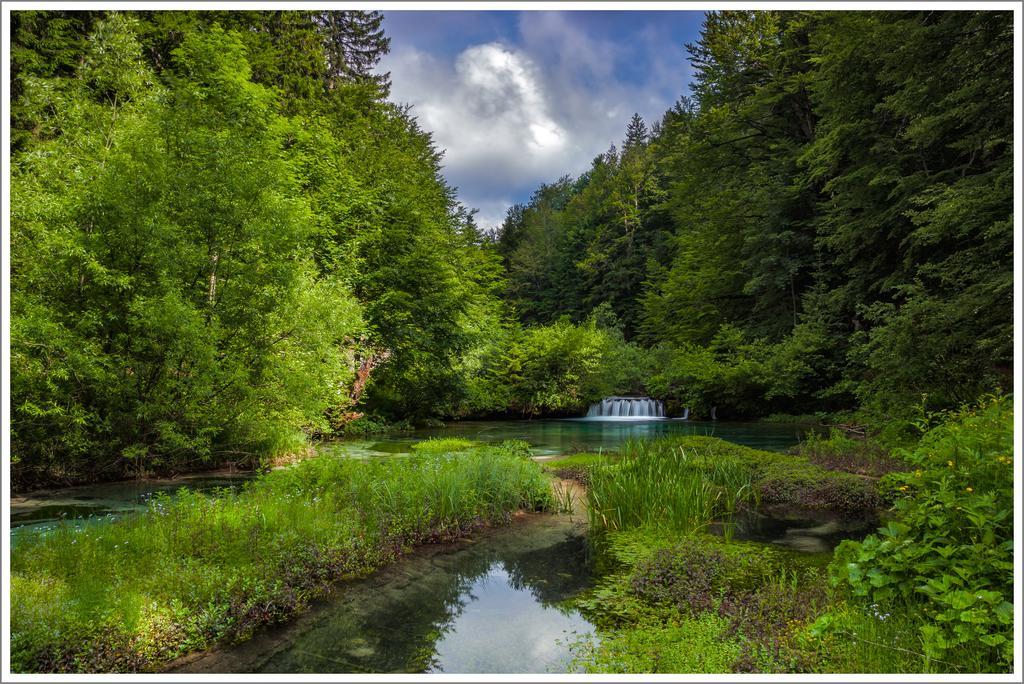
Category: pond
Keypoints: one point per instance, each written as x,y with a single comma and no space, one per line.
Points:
551,437
495,604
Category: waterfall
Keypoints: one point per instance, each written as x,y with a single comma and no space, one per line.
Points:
632,408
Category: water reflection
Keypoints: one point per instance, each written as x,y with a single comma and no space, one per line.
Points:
494,606
804,531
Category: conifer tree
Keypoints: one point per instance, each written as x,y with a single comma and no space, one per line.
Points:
354,43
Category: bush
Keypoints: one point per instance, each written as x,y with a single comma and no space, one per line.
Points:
947,555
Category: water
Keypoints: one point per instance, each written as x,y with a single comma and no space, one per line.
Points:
553,437
628,408
100,503
494,606
812,532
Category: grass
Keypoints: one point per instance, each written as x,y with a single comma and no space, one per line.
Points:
695,603
930,597
565,498
685,483
440,445
666,485
578,466
196,570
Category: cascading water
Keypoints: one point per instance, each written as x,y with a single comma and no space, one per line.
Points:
627,408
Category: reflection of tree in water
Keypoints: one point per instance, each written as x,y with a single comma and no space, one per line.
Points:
554,573
395,625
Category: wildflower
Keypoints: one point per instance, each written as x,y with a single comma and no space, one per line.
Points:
917,473
949,463
904,488
970,489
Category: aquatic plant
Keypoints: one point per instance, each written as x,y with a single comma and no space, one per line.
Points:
662,484
565,498
697,603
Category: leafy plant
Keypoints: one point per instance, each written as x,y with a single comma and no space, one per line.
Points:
947,553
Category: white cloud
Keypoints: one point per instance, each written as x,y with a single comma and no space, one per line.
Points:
510,117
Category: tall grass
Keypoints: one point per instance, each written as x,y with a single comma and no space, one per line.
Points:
197,569
660,484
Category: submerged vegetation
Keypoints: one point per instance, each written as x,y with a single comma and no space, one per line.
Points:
198,570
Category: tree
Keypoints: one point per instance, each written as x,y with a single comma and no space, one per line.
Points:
355,43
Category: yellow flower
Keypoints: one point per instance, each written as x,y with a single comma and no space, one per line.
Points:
970,489
903,488
917,473
949,463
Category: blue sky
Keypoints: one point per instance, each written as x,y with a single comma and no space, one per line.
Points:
520,98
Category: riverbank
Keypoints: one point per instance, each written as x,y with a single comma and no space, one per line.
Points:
193,570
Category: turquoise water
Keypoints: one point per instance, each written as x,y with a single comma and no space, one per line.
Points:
87,505
551,437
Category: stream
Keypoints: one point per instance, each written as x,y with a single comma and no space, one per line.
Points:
498,602
492,604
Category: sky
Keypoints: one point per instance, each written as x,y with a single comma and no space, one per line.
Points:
516,99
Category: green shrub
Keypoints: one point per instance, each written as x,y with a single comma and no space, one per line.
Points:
948,552
371,425
841,452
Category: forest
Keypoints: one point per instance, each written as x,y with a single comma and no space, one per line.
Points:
219,221
230,247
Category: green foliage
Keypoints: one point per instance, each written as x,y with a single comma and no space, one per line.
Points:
685,483
661,485
947,553
855,638
819,228
196,570
185,319
208,242
677,603
443,445
684,645
865,456
557,368
371,425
